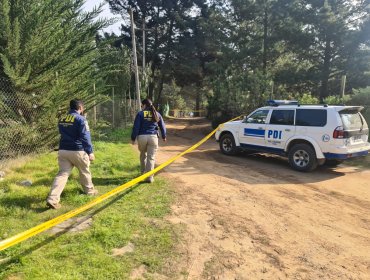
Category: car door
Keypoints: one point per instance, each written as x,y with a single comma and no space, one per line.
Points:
280,128
252,129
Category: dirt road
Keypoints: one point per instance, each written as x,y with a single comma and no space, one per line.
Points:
252,217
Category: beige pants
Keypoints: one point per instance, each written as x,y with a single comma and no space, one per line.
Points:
67,160
148,146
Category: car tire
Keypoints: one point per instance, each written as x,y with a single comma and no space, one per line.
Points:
227,144
332,162
302,157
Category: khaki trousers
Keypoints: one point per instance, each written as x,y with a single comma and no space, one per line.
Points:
67,160
148,146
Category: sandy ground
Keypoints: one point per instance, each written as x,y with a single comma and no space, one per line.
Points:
253,217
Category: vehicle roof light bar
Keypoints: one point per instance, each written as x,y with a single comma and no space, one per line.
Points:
281,102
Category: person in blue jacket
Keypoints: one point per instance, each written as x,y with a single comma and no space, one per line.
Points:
75,149
147,124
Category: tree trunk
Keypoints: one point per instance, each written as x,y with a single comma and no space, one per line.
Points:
325,70
197,103
153,66
169,45
265,38
152,84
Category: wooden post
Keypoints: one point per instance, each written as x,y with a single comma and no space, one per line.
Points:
137,81
272,90
113,109
343,86
125,108
94,108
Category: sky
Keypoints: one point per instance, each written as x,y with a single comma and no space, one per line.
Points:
90,4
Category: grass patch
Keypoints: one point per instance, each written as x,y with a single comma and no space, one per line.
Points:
135,217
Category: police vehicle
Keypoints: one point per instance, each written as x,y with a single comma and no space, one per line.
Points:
309,135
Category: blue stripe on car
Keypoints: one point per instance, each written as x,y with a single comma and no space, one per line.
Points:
345,156
263,149
254,132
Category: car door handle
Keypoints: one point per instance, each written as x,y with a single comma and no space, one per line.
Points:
287,129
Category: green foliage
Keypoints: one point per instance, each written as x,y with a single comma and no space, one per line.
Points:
361,97
236,93
302,48
336,100
172,97
114,64
49,54
307,98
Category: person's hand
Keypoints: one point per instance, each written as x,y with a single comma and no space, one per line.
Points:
133,142
91,157
165,139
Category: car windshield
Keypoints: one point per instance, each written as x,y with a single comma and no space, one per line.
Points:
351,120
257,117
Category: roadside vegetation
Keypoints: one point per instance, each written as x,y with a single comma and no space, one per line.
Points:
125,233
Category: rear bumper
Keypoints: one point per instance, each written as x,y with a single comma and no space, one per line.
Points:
346,155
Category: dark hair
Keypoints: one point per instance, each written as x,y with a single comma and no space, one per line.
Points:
75,104
149,104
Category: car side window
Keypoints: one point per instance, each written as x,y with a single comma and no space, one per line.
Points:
259,116
311,117
282,117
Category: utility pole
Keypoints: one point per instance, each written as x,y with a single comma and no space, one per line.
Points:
137,81
144,46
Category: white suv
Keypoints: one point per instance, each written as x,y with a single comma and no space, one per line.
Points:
309,135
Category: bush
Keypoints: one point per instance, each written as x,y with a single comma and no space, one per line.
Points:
307,98
335,100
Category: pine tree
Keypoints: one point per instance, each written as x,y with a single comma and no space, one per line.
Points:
337,32
48,55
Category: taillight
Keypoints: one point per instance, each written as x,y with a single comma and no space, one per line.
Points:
339,133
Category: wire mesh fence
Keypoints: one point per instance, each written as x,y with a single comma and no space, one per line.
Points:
117,112
22,129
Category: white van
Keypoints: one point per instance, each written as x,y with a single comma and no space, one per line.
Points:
309,135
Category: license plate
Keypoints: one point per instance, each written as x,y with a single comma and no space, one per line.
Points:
357,138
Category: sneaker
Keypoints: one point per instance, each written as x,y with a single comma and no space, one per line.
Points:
53,205
93,192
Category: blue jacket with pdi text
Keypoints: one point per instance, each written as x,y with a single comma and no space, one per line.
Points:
144,125
74,133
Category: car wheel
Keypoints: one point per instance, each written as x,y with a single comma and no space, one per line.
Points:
302,157
332,162
227,144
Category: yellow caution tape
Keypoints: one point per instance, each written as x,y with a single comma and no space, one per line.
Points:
194,111
9,242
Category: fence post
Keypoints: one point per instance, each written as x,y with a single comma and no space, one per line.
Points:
94,108
113,110
125,107
343,86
